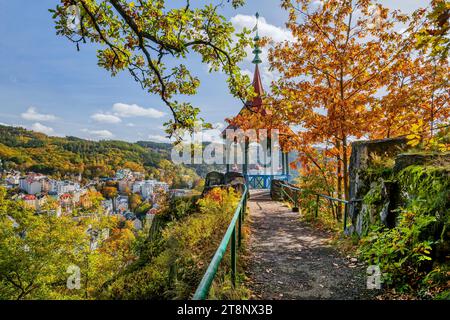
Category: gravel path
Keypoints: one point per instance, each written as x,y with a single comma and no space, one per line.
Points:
290,260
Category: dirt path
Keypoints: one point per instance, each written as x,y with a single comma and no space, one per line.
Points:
290,260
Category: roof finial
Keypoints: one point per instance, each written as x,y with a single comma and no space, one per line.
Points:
257,51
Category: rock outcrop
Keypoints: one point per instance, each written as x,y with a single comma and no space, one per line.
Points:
376,184
363,152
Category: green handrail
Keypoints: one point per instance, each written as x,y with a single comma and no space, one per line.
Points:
203,288
318,195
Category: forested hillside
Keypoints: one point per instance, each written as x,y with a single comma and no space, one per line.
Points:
164,149
26,150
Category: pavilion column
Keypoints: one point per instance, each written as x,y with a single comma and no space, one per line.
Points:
266,155
227,155
271,153
287,163
245,165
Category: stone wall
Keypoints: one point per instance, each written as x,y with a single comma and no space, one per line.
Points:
359,184
380,185
407,159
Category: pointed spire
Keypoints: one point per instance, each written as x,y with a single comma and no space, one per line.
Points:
257,51
257,83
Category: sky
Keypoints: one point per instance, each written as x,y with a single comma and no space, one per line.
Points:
47,86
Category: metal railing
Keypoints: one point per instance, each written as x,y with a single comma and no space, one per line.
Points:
203,288
318,196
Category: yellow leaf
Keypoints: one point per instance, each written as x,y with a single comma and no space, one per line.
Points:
413,142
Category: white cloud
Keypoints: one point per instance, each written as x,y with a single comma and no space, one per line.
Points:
106,118
158,138
130,124
218,126
208,135
32,115
133,110
99,134
276,34
41,128
212,135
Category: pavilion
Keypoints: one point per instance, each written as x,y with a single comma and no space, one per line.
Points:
263,159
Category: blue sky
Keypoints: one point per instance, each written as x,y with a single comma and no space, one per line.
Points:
47,86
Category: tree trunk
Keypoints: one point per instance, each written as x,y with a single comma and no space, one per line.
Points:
345,165
339,180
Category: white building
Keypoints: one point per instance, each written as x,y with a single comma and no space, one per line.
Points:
161,186
108,206
61,187
33,202
13,178
122,204
32,184
123,174
147,189
77,194
136,188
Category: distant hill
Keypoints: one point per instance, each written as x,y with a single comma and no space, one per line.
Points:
27,150
165,149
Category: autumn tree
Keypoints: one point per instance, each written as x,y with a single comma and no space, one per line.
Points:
417,96
36,252
434,35
152,40
92,201
135,201
341,56
110,192
133,166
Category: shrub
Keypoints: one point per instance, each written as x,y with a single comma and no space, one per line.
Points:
412,255
181,251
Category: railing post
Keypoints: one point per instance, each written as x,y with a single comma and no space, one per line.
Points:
317,206
233,258
245,206
205,284
295,208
